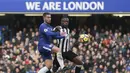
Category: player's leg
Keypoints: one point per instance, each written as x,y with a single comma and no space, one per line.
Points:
58,62
51,48
55,49
55,64
48,65
79,63
70,56
45,52
74,58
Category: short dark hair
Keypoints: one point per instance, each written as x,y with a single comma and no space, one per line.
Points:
46,13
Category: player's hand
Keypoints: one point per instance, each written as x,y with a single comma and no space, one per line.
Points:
63,33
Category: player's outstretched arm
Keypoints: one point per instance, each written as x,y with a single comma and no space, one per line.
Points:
51,33
56,35
48,32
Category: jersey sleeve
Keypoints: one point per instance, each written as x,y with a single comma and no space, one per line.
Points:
49,32
59,37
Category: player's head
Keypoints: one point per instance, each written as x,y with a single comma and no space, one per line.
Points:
65,22
47,18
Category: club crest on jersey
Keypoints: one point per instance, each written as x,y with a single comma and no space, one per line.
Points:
45,30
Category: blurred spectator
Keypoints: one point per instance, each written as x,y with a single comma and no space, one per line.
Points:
128,68
5,34
32,70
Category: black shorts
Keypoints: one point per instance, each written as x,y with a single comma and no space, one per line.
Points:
69,55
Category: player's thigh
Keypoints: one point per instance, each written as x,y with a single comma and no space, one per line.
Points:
69,55
48,48
45,48
55,49
46,54
74,58
51,47
48,63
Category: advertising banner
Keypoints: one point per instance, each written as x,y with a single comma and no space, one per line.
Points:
61,6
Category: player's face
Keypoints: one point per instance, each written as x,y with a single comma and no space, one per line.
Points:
47,19
65,22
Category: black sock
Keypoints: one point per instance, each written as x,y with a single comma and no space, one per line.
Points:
77,69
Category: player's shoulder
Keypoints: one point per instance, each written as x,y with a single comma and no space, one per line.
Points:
43,25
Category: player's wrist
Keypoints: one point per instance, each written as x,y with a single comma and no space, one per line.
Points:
63,34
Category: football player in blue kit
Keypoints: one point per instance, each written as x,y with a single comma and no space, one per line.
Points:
45,46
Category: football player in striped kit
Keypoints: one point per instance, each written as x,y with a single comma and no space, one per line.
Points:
65,50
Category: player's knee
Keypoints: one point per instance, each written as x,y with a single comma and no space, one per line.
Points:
55,49
77,61
49,66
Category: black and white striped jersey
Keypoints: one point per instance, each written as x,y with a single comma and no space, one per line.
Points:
64,44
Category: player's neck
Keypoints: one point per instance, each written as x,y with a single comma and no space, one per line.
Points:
64,26
46,23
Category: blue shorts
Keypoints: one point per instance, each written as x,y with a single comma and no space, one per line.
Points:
45,51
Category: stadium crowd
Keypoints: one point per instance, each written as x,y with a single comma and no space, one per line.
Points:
109,50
